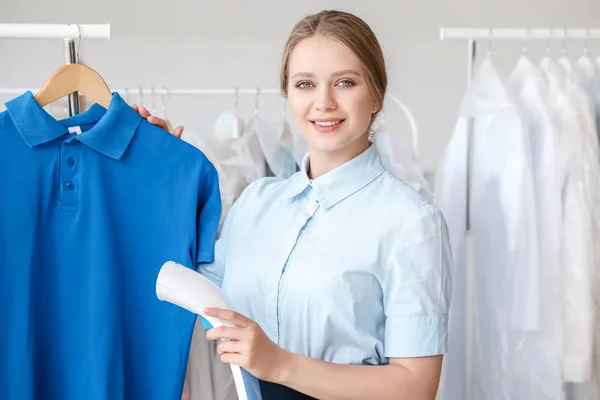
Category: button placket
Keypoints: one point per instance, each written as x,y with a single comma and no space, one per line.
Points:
69,191
275,280
275,277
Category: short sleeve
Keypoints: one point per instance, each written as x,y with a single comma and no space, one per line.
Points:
208,215
215,270
417,287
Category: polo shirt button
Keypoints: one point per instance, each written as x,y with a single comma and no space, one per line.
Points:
70,161
70,186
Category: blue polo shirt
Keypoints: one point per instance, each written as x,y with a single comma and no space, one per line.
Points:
86,222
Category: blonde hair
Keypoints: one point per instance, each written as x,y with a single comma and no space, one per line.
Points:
352,32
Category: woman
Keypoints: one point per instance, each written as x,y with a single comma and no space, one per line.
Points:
341,273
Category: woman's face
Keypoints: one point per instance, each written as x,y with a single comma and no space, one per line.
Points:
329,98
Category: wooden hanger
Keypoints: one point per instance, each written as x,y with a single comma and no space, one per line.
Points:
74,78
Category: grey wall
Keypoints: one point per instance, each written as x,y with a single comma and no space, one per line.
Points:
189,44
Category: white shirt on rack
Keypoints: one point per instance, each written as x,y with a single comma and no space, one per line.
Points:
451,197
537,362
577,239
503,226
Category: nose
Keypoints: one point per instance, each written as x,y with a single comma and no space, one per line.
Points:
325,100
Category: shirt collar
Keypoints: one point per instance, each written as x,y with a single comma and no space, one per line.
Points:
341,182
113,130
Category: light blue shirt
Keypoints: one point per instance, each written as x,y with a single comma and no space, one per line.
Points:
352,267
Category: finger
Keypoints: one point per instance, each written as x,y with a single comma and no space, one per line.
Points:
135,107
225,332
178,131
229,346
158,122
233,358
144,112
229,315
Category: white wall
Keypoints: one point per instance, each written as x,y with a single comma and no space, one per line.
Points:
187,43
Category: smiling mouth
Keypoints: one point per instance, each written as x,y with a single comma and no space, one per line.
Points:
327,123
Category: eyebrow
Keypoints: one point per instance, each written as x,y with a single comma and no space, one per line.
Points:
335,74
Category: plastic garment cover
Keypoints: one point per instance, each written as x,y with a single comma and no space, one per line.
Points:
249,158
277,145
579,153
504,233
593,388
236,152
210,150
577,252
596,93
587,88
398,160
538,357
591,81
451,197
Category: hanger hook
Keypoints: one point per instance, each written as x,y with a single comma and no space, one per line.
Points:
126,95
564,42
256,101
236,101
491,33
78,42
585,43
164,99
525,50
141,92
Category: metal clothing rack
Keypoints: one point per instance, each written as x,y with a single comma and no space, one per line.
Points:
67,32
472,35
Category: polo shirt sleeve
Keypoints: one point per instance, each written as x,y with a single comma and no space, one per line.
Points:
417,287
208,215
215,270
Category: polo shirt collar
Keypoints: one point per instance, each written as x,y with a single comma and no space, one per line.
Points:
340,183
113,130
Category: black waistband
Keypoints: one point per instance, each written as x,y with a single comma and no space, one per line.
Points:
273,391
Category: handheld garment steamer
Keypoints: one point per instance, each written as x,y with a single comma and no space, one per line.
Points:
188,289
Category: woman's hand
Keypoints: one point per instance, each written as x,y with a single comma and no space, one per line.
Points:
157,121
248,346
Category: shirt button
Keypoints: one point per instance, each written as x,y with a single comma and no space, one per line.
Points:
70,161
70,186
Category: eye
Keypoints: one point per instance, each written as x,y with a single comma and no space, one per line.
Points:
303,85
346,83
